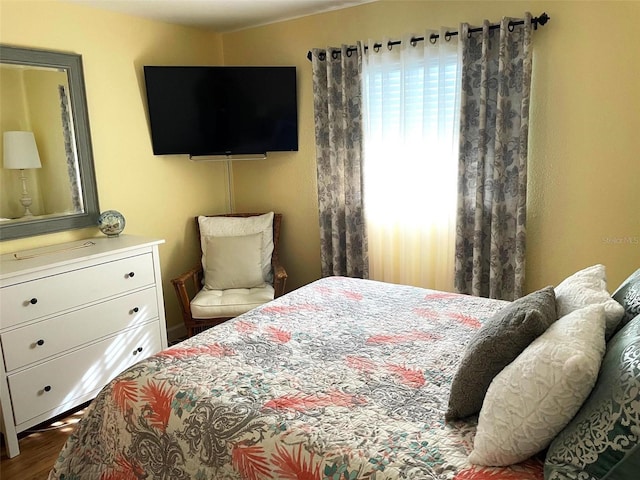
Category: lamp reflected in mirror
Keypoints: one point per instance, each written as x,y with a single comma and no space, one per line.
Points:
21,153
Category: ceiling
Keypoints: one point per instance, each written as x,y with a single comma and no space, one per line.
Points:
221,15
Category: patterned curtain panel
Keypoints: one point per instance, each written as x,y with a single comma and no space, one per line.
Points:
492,188
72,163
337,90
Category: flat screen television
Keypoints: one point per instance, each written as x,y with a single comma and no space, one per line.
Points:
222,110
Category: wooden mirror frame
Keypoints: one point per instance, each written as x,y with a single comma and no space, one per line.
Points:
72,64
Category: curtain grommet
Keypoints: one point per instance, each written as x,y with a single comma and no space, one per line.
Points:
334,54
447,36
433,38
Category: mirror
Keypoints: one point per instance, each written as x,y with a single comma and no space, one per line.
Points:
47,178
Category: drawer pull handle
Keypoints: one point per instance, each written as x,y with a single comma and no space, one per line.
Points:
136,309
47,388
40,342
33,301
137,350
131,274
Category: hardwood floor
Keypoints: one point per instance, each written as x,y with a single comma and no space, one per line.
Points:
39,449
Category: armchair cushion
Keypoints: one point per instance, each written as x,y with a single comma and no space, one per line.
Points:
239,226
233,262
229,303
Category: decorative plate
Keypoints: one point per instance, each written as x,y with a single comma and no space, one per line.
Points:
111,223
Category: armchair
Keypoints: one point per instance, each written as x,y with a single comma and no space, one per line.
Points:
240,269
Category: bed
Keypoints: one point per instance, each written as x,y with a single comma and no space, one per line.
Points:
342,379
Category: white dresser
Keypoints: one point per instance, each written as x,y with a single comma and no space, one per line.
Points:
73,316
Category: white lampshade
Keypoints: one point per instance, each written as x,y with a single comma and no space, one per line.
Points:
20,151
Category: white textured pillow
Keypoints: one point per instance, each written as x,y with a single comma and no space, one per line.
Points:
536,395
588,287
237,226
233,262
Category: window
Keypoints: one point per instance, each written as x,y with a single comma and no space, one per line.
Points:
411,98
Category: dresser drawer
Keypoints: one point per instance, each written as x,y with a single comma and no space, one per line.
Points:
38,341
49,295
42,388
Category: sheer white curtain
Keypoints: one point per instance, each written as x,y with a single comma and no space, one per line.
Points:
411,104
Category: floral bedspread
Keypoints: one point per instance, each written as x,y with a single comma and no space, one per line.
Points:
343,379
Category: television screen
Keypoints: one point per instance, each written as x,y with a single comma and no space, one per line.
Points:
222,110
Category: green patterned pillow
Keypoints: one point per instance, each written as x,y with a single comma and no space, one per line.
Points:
603,439
628,295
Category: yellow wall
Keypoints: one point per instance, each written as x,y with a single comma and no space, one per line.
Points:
159,196
13,100
46,124
584,168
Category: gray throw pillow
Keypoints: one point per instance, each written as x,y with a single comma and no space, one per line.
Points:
498,342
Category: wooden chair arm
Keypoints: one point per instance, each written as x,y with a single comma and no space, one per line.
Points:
279,277
182,283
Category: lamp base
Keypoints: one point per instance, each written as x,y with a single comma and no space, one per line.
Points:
25,199
26,202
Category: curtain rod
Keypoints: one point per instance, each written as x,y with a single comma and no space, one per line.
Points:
535,21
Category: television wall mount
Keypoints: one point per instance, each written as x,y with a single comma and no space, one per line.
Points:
225,157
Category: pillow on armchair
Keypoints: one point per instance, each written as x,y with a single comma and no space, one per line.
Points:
233,262
226,242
